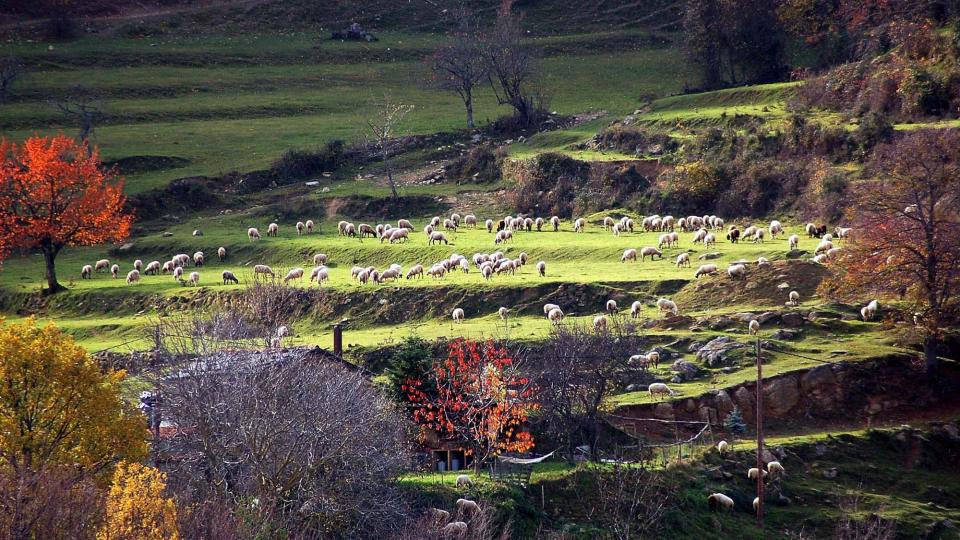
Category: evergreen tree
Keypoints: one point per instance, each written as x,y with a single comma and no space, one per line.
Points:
734,423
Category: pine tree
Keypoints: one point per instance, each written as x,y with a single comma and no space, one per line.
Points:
734,423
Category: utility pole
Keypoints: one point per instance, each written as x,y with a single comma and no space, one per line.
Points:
759,438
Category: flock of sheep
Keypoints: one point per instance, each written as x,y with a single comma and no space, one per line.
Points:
719,501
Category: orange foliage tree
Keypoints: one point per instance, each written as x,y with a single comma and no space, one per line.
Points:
54,193
478,396
905,242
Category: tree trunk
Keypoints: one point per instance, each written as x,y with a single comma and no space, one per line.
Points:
386,165
49,255
468,103
930,344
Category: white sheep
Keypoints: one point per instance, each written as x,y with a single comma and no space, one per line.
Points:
415,271
253,234
650,252
756,504
762,261
823,246
295,273
710,240
599,323
722,447
319,258
102,264
168,267
454,528
300,226
138,264
466,505
794,241
115,270
503,312
683,259
636,309
273,229
719,501
198,258
705,270
440,516
229,277
754,327
775,228
775,469
754,472
660,389
629,255
555,221
758,236
612,306
309,226
262,269
555,316
195,278
221,253
458,315
133,276
547,308
869,311
665,305
579,225
153,268
464,481
794,298
542,268
437,237
737,271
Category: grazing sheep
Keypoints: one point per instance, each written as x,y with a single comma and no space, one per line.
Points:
612,306
455,218
758,236
198,258
722,447
253,234
458,315
710,239
547,308
823,246
320,274
283,331
699,236
309,226
273,229
737,271
555,221
794,298
262,269
300,227
437,237
466,505
404,224
504,313
636,309
683,259
454,528
102,265
440,516
181,260
705,269
754,472
869,311
579,225
503,236
538,223
296,273
629,255
228,277
133,276
397,235
366,230
555,316
653,358
489,224
775,228
138,264
319,258
464,481
719,501
168,267
733,235
221,253
775,469
542,268
599,323
754,327
650,252
115,270
660,389
350,230
152,269
194,278
449,225
608,222
794,241
665,305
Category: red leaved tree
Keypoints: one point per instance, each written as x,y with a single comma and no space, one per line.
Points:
54,193
906,234
478,396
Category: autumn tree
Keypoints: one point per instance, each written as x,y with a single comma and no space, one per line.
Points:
137,507
53,194
62,422
382,127
905,242
478,396
458,65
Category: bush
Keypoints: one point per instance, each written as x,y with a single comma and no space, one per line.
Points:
480,165
693,187
299,164
631,140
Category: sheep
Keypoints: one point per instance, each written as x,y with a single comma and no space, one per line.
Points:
665,305
181,259
458,315
734,235
832,252
683,259
465,505
650,252
758,236
652,358
579,225
415,271
555,221
115,270
454,528
404,224
756,504
194,278
629,255
273,229
555,316
437,237
547,308
138,264
710,240
762,261
397,235
320,274
309,226
366,230
464,481
542,268
737,271
439,516
198,258
699,235
636,310
133,276
296,273
719,501
599,323
449,225
827,237
775,228
754,327
300,226
168,267
283,331
608,222
660,389
775,469
538,223
722,447
503,236
253,234
489,224
869,311
504,313
102,264
754,472
228,277
350,230
262,269
153,268
455,218
612,306
794,298
705,269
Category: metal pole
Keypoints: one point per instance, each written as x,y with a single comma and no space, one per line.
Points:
759,437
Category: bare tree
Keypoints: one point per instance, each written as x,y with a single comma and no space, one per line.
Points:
84,105
580,369
458,66
312,442
382,125
631,500
513,70
11,70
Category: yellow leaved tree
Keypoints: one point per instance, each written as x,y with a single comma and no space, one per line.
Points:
136,506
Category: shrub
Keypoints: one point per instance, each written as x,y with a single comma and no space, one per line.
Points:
632,140
480,165
693,187
298,164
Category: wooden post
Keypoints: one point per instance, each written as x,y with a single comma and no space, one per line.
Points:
759,437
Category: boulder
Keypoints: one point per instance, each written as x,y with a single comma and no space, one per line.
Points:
780,395
797,253
717,352
686,370
745,400
785,335
791,318
664,411
724,403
